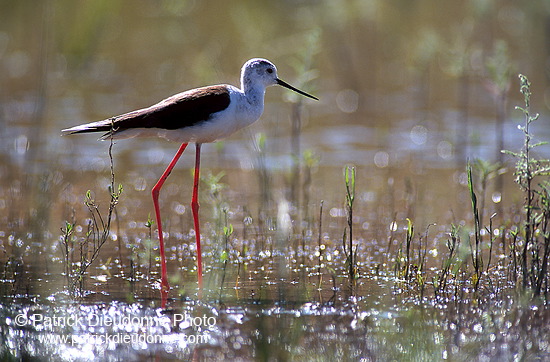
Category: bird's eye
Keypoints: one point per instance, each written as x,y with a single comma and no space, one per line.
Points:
269,70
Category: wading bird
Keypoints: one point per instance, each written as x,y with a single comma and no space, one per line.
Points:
198,115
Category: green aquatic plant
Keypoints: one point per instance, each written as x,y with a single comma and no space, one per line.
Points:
404,271
349,250
447,273
321,247
532,256
485,171
477,258
217,199
98,231
224,255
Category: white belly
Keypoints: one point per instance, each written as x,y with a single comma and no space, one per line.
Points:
220,126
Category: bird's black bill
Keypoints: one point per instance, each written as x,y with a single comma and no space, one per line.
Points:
286,85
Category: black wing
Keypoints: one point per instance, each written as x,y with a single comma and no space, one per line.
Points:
179,111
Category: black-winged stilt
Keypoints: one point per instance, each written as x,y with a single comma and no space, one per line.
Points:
198,115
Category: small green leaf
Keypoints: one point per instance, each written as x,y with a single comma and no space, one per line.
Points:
228,230
224,257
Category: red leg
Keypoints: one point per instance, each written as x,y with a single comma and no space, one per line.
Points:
195,209
164,286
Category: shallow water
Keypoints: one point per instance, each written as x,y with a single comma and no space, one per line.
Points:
407,97
380,324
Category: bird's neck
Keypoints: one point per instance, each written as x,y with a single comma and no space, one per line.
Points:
253,92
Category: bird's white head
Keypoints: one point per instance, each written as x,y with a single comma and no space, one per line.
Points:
260,73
